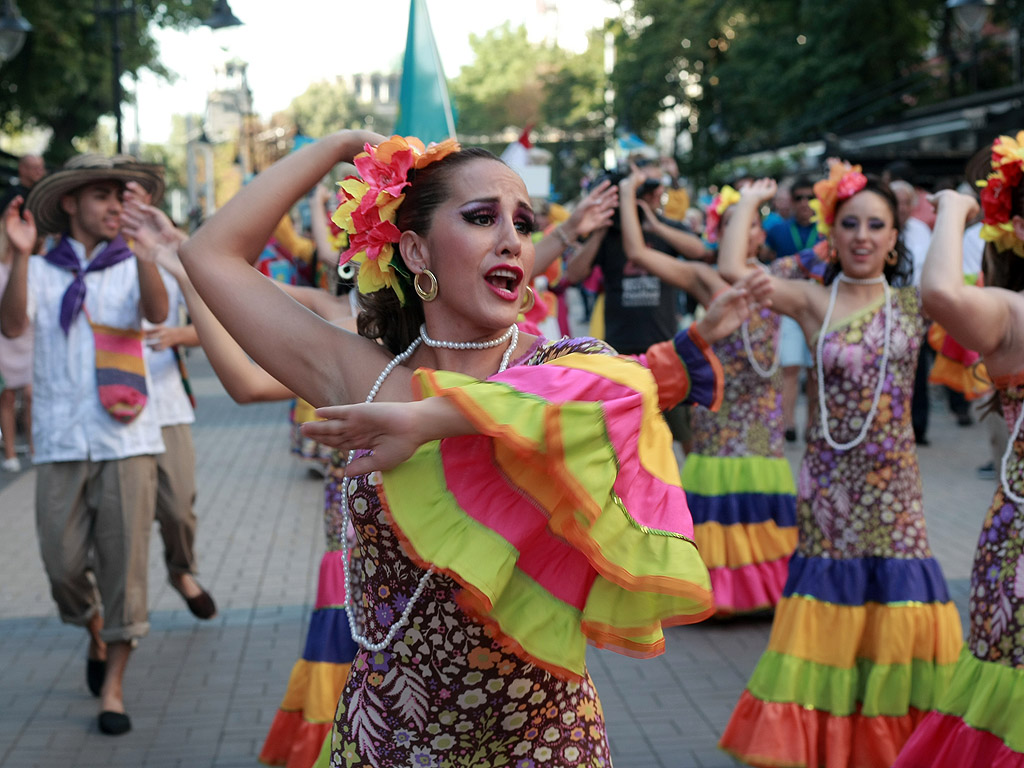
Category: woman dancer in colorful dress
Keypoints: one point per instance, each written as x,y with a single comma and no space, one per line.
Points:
487,560
306,713
865,637
739,485
977,723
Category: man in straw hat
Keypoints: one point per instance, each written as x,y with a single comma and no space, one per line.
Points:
95,442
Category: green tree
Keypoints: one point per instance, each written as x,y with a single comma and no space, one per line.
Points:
757,73
324,107
513,83
502,87
62,79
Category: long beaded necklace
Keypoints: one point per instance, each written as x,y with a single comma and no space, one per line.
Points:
764,373
362,640
1019,500
883,366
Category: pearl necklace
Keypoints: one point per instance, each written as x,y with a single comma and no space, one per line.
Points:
359,638
1019,500
466,344
883,366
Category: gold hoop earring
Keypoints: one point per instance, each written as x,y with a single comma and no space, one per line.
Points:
528,300
892,257
431,293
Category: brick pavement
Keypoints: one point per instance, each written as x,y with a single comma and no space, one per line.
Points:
203,693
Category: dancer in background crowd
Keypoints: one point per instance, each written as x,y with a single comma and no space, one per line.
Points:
739,485
865,637
306,713
977,722
445,300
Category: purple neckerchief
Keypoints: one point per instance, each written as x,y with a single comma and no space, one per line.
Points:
64,256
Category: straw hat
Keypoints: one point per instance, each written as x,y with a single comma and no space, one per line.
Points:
44,198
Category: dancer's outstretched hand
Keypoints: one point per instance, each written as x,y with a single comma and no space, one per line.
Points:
731,307
153,235
953,200
761,190
393,431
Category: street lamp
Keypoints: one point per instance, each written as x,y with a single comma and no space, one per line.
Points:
13,30
222,16
971,16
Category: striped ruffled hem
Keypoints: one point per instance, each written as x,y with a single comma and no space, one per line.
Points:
946,741
293,741
742,544
719,476
748,588
983,705
306,714
790,735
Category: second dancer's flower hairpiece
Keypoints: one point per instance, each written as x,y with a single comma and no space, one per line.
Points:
371,204
719,205
843,182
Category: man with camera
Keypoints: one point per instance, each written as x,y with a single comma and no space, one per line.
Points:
640,309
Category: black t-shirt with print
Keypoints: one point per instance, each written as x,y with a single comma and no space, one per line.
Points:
640,310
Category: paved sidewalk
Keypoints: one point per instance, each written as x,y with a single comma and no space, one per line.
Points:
204,693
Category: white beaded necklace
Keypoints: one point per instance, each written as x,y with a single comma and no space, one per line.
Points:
883,366
745,330
362,640
1019,500
764,373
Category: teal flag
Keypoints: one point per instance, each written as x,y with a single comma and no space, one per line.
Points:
424,110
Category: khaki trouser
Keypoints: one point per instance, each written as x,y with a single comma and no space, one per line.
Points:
175,496
96,516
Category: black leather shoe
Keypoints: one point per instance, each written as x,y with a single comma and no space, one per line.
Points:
114,723
95,672
202,605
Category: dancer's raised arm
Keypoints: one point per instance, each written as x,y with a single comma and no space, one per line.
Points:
789,297
696,278
217,261
982,319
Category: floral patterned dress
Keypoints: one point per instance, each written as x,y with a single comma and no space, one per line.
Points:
739,485
978,722
865,638
452,689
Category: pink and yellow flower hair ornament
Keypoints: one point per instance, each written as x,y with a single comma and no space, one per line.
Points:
997,193
370,206
719,205
843,182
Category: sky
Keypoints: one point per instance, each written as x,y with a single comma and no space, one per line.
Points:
315,40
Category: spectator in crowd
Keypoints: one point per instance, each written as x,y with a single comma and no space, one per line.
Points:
30,170
793,235
15,378
915,236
